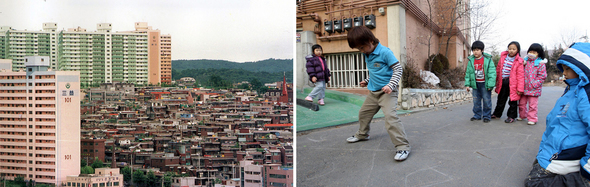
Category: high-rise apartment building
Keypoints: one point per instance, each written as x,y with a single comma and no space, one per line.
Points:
16,44
159,54
140,57
39,121
104,56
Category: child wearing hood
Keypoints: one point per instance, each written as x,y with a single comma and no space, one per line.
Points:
563,154
534,76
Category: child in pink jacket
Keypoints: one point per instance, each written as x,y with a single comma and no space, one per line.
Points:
509,82
534,76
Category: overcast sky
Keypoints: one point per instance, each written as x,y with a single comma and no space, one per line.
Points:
539,21
236,30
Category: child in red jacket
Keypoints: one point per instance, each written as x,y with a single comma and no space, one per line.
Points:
509,82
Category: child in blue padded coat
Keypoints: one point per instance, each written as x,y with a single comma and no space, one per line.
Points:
563,154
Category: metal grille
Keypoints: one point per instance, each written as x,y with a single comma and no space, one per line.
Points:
348,69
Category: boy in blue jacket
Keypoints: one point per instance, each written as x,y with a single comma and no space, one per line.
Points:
385,72
563,153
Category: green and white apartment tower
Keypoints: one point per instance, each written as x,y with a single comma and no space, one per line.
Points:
100,56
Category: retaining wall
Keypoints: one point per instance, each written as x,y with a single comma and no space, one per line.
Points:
417,98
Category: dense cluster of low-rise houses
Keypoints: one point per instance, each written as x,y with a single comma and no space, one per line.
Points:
235,137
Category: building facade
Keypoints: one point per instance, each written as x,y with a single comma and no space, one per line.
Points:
92,149
159,54
101,56
101,177
39,122
404,26
16,44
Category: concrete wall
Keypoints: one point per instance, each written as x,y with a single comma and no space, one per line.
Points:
305,40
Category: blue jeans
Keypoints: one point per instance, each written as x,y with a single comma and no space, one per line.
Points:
319,90
478,94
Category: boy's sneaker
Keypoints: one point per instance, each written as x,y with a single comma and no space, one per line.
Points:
520,119
473,119
486,120
321,102
355,139
531,123
509,120
309,99
401,155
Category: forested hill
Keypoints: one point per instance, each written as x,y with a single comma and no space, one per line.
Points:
268,65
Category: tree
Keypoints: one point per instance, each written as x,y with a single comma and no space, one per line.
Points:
44,185
126,171
19,181
151,179
262,90
139,178
570,36
86,170
552,71
482,19
83,163
452,14
168,179
97,163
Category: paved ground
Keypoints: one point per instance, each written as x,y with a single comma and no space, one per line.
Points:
447,150
340,108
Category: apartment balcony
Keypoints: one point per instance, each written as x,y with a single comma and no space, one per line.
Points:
13,164
45,159
45,145
13,115
12,136
13,122
46,180
13,87
44,95
15,171
13,157
46,166
44,152
53,123
44,80
45,87
45,102
14,143
14,129
45,137
44,109
14,150
46,173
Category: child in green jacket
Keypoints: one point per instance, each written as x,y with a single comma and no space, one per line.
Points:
481,76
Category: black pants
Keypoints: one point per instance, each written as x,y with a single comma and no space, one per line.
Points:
539,177
502,97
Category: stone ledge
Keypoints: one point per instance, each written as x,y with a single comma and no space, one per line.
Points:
427,98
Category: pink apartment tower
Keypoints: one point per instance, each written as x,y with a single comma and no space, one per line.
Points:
39,122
